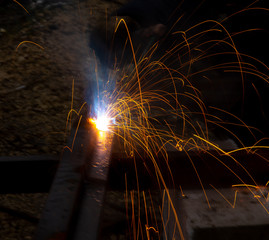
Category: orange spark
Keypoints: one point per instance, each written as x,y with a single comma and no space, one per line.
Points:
28,42
21,6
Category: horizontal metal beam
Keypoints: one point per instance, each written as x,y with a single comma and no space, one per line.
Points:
36,173
178,171
27,174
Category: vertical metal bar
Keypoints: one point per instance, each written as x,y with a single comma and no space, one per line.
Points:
66,189
89,215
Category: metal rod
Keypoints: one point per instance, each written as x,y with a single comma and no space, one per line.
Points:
89,217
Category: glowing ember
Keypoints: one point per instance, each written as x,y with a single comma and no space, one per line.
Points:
101,123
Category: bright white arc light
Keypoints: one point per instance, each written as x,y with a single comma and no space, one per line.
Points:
102,123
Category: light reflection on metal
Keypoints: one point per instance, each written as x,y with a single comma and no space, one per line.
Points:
99,166
94,188
102,123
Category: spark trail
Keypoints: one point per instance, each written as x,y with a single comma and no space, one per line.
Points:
157,104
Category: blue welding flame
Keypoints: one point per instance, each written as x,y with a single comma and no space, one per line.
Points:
99,95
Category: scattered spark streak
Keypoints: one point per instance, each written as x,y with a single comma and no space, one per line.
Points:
201,183
182,194
247,148
246,185
260,188
235,197
28,42
21,6
75,135
257,196
152,228
134,57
